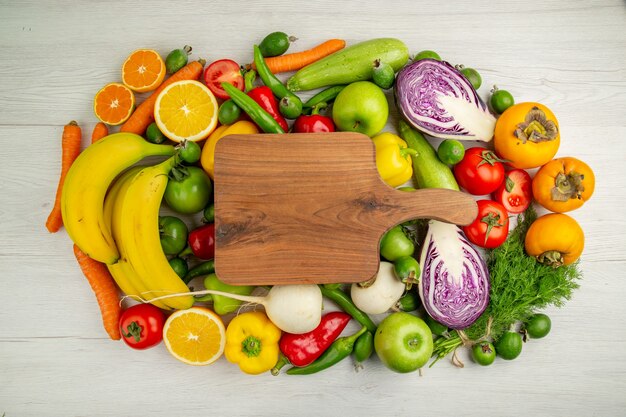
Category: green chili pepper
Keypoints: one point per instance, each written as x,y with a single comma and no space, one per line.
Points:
363,348
343,300
277,87
324,96
259,116
339,350
332,286
205,268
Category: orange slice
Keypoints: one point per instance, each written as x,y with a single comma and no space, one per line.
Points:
195,336
186,109
143,70
114,104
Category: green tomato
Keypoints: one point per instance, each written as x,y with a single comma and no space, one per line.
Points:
538,326
509,346
451,151
427,54
179,265
472,76
173,233
483,353
189,151
403,342
190,194
395,244
500,100
154,135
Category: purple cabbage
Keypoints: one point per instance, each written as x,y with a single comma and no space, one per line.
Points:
437,99
454,283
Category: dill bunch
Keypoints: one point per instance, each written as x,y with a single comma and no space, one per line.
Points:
519,287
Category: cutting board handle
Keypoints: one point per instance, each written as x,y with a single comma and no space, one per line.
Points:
394,206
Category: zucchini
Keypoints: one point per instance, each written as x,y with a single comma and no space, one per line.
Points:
428,170
351,64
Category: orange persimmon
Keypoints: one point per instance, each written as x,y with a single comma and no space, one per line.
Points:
555,239
527,135
563,184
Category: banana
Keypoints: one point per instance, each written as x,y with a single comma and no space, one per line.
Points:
139,234
86,185
122,271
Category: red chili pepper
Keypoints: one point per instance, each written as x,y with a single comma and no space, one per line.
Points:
315,123
303,349
202,241
264,97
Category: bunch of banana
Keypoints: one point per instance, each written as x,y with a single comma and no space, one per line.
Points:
86,184
133,209
115,221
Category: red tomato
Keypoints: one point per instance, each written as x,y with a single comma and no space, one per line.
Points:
142,326
491,226
480,172
515,193
223,71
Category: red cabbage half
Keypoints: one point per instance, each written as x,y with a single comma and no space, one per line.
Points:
454,284
437,99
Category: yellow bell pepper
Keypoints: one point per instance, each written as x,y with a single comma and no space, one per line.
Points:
207,159
393,159
252,342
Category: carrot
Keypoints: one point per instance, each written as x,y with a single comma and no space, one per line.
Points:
104,288
70,148
100,130
144,113
297,60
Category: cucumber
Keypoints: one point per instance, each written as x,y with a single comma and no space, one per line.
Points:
351,64
428,170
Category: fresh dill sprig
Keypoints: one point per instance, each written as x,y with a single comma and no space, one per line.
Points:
519,287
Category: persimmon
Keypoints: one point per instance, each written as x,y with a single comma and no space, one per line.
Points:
563,184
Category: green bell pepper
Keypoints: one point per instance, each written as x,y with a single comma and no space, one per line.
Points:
222,304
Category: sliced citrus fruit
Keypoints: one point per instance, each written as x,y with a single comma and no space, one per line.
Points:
195,336
143,70
114,103
186,109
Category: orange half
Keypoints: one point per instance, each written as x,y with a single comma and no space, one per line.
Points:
143,70
186,110
114,104
195,336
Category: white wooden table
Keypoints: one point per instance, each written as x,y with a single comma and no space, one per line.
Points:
56,360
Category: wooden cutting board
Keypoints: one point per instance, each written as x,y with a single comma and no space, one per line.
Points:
311,208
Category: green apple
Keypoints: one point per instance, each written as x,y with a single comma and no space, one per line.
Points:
361,107
403,342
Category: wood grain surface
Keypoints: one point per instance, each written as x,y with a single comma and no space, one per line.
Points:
56,359
311,208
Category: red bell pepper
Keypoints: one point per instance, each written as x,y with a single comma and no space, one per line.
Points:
202,241
314,123
264,97
303,349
